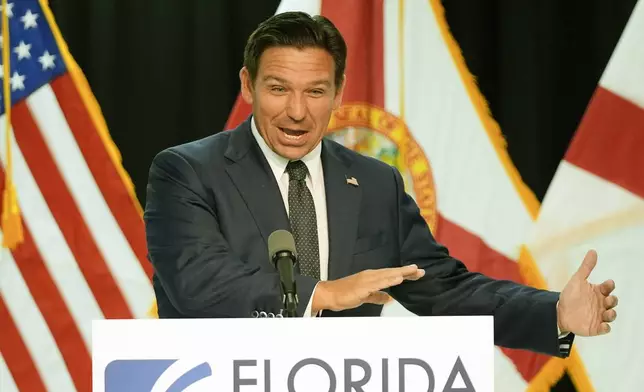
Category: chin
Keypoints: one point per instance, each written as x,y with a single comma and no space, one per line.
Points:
293,153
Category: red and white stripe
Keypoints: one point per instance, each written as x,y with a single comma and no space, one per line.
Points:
83,255
28,345
6,381
400,60
596,201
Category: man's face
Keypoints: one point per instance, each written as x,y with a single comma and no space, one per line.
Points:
293,97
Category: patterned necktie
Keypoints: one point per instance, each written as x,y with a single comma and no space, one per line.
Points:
303,220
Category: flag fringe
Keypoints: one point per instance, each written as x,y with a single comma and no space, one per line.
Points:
578,373
92,105
491,126
153,312
548,376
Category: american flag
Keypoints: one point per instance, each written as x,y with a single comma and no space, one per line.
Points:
83,254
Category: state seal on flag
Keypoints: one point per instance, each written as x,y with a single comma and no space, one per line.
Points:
374,132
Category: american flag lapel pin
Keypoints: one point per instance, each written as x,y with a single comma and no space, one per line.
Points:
352,181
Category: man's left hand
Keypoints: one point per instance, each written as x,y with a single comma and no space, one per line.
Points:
586,309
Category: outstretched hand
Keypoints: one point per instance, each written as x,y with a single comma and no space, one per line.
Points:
586,309
363,287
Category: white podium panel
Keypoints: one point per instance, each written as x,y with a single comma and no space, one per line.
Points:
384,354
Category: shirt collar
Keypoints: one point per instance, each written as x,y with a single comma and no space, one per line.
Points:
278,163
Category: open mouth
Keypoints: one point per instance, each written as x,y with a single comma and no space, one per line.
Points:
293,134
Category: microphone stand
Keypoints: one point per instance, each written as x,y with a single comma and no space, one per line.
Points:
290,304
284,265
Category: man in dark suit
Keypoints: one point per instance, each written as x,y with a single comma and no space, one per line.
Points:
212,204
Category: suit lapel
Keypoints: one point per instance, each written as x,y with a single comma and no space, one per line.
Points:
343,207
251,174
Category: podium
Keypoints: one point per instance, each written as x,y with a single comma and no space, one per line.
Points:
384,354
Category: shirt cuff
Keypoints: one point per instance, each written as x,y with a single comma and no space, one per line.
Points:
309,308
561,335
565,341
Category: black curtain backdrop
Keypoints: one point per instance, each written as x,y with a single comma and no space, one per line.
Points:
166,71
537,63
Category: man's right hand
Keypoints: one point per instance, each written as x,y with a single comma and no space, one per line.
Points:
363,287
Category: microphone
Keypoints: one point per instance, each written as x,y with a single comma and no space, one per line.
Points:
283,256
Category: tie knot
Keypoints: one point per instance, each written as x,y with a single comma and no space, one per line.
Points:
296,170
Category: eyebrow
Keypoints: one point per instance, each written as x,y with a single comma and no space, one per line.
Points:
280,80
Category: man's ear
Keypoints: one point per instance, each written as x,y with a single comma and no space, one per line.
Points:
246,85
337,100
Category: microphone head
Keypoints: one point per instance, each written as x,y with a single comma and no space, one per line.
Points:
280,241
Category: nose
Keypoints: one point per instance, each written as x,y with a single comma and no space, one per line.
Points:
296,108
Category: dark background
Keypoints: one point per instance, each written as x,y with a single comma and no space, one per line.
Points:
166,71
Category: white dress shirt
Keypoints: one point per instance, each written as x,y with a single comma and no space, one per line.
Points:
315,183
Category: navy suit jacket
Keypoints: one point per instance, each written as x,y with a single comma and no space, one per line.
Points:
212,203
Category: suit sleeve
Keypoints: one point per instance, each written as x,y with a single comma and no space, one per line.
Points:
524,317
191,258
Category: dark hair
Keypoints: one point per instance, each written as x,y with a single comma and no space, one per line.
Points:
300,30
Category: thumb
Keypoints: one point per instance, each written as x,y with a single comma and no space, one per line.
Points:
587,266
